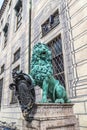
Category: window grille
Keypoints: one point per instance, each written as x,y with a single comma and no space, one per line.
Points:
57,59
50,23
17,55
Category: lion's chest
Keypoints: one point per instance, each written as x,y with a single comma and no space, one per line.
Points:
39,73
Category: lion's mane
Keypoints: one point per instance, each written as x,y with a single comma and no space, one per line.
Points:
41,65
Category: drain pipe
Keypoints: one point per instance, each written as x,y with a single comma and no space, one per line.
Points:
29,49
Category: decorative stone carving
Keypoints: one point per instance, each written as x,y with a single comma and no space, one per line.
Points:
24,90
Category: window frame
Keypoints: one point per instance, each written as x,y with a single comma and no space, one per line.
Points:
18,9
17,55
13,97
2,68
5,30
49,25
56,71
17,68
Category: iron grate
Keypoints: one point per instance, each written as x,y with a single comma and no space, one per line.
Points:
57,59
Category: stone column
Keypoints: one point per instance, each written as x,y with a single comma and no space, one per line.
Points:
53,117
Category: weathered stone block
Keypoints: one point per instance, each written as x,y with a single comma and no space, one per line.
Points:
53,117
80,107
83,120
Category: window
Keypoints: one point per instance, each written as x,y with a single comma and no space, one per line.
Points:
18,9
17,55
6,33
57,60
8,18
50,23
2,22
17,68
2,68
1,86
13,97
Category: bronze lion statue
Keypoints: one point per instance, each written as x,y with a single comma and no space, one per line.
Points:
42,73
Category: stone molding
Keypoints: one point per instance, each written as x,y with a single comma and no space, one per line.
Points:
53,117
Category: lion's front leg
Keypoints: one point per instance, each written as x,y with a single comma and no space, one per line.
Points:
45,91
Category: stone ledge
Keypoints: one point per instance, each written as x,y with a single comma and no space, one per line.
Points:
52,110
52,117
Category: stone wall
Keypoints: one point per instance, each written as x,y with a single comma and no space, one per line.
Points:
78,20
73,21
16,39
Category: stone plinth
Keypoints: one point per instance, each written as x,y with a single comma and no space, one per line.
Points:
53,117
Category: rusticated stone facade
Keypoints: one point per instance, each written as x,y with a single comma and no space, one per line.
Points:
13,55
72,28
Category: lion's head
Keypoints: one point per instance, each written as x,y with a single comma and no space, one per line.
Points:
41,63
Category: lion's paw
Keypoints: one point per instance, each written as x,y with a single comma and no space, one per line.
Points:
44,101
59,100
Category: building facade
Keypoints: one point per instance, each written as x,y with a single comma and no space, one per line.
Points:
14,42
61,24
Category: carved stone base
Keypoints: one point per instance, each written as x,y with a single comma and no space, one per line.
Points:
53,117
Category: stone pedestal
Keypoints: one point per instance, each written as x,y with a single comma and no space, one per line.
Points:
53,117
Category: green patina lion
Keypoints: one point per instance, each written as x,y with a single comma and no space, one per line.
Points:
42,73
